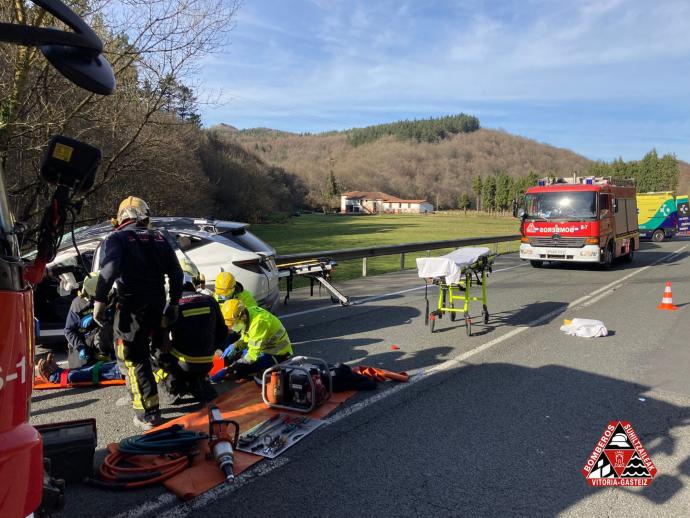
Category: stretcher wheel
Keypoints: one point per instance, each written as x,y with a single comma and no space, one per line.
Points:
452,313
468,324
485,314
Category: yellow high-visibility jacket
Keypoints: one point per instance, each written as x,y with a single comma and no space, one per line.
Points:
264,334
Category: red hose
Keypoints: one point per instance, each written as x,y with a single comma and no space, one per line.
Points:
120,476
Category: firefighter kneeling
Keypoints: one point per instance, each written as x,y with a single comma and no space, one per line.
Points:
194,338
264,341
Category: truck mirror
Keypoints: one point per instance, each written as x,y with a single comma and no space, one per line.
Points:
521,213
76,55
89,70
70,163
615,205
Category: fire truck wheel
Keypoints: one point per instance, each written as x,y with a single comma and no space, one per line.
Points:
607,261
536,264
658,235
628,258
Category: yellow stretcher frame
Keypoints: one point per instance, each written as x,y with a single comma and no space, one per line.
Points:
447,293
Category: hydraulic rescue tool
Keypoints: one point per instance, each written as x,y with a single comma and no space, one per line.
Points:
301,383
221,444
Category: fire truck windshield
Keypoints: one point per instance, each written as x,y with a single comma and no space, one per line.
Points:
561,205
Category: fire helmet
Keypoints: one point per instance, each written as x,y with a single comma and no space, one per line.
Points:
225,285
232,311
132,208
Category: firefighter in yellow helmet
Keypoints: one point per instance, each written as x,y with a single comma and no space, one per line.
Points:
263,342
228,288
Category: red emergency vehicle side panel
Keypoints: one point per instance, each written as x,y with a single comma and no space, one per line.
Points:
21,454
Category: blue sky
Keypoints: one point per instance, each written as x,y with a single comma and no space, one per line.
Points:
605,78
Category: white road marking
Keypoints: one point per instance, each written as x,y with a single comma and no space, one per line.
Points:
267,466
359,302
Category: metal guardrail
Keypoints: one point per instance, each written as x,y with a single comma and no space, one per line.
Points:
378,251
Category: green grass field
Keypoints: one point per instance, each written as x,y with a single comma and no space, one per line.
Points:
315,232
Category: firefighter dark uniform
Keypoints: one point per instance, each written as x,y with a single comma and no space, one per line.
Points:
139,258
80,331
85,338
195,336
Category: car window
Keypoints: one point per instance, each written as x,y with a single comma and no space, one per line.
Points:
247,240
187,242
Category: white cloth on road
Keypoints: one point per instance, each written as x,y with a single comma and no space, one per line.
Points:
450,266
585,327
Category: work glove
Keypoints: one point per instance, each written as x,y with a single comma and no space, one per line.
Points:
99,313
219,376
228,352
171,313
84,354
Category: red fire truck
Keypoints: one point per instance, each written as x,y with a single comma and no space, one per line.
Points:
580,219
71,166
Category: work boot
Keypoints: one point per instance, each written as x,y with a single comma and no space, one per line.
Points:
148,421
47,366
202,390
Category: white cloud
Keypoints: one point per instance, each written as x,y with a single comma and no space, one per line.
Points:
352,57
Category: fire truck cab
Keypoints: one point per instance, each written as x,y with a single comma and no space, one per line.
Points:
581,219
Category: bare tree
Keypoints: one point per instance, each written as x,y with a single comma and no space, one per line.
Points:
155,47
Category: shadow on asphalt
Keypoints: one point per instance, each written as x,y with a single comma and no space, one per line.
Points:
488,440
520,316
62,408
361,320
491,438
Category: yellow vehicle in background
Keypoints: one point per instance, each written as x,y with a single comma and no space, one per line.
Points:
661,215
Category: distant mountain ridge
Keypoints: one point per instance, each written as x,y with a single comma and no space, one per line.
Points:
437,170
433,159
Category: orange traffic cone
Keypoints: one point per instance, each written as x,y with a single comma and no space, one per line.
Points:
667,300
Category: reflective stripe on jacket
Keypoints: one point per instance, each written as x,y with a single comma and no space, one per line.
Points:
199,329
264,334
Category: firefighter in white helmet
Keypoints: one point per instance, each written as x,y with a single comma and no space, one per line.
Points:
139,259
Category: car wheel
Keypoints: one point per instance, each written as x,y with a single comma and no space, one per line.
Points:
536,264
658,235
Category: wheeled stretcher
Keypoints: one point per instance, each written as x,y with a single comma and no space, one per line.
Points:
455,274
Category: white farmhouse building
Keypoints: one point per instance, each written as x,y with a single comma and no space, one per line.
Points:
362,202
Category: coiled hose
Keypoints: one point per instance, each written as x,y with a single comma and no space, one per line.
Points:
122,470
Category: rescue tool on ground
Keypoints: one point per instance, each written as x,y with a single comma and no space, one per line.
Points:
221,443
579,219
301,383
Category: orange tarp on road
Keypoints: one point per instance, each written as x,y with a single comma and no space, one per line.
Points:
244,405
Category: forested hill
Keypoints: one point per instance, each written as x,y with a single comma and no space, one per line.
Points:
434,159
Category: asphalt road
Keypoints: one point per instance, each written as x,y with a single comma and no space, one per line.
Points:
499,423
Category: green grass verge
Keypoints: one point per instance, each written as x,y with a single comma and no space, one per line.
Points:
316,232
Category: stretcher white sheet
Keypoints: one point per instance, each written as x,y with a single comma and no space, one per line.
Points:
450,266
